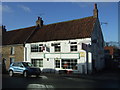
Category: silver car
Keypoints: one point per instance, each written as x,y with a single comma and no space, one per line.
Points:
24,68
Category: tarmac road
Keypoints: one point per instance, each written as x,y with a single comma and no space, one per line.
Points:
54,81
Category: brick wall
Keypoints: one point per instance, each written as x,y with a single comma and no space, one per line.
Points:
18,53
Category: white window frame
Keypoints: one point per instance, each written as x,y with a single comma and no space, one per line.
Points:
38,48
72,63
37,62
57,63
73,46
57,47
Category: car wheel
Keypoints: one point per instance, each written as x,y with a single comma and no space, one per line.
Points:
25,74
10,73
37,75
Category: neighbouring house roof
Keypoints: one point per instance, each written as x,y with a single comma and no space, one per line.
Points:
18,36
110,48
74,29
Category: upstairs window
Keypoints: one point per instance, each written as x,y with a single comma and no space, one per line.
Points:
12,51
12,60
37,48
57,47
73,46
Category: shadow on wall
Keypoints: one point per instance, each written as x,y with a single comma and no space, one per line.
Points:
4,66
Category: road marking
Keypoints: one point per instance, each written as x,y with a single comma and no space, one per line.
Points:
44,77
49,86
79,79
40,86
36,86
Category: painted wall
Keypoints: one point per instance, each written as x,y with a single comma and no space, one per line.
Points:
65,53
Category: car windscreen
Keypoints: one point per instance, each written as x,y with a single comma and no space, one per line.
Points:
27,64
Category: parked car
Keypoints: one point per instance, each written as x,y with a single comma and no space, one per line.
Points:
24,68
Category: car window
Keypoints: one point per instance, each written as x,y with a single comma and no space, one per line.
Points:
15,64
20,64
26,64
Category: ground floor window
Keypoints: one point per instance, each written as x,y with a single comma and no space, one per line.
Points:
12,60
69,63
37,62
57,63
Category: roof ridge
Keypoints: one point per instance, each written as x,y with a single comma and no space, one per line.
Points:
69,20
50,24
21,29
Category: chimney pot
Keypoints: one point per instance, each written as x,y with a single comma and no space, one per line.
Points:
39,18
95,6
95,11
3,28
39,22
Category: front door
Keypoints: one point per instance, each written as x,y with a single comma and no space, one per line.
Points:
83,69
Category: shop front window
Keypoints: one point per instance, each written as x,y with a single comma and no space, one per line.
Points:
57,63
37,62
69,63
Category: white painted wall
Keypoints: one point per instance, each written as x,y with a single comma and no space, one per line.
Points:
67,54
64,54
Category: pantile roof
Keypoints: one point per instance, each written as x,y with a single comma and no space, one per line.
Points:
73,29
18,36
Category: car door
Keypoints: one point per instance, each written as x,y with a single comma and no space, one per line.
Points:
15,67
20,68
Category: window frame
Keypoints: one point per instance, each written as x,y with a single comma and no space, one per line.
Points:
57,63
73,46
37,62
36,47
72,63
57,47
12,51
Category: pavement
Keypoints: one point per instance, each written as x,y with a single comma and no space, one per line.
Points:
105,75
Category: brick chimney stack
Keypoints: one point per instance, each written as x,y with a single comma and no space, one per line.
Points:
39,22
95,11
3,29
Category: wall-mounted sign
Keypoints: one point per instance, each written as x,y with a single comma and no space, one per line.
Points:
82,54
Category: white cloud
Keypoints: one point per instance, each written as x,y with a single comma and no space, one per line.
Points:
6,8
25,8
